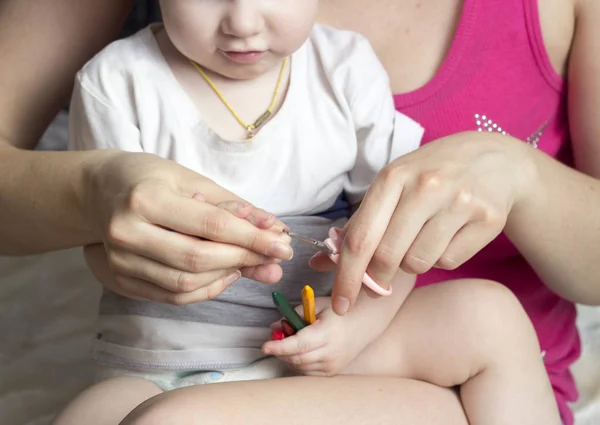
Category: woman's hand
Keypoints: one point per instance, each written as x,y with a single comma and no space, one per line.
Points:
171,235
435,207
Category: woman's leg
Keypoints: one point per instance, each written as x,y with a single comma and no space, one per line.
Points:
471,333
347,400
107,402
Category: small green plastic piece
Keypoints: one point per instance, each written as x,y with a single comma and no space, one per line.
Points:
288,311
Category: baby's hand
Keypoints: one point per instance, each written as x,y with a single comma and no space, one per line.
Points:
324,348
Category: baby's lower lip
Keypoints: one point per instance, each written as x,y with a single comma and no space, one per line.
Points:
244,57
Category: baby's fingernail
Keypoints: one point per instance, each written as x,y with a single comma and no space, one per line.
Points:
267,351
341,305
280,250
287,328
269,218
232,278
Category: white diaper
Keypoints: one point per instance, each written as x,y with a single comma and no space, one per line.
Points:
267,368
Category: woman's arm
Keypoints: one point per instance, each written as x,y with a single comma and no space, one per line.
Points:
42,45
557,226
128,201
440,205
53,200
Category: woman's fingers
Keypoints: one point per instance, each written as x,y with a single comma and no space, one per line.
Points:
264,273
421,202
180,251
430,244
201,219
362,238
128,264
149,291
469,240
433,240
131,287
258,217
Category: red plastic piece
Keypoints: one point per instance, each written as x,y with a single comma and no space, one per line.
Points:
278,336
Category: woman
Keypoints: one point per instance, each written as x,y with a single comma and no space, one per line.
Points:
485,184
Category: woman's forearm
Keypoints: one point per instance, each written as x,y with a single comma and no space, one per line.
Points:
43,44
557,229
42,197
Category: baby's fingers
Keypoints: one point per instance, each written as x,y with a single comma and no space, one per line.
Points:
256,216
321,304
305,341
313,360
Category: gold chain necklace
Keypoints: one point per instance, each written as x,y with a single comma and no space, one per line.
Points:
251,128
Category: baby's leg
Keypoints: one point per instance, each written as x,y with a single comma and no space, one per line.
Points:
107,402
474,334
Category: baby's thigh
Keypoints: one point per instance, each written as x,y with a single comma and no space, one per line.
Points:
447,332
108,402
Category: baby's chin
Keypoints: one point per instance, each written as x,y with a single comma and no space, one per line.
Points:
246,71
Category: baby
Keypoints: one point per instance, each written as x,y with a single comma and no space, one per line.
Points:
297,118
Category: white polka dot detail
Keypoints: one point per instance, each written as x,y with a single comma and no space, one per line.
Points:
483,122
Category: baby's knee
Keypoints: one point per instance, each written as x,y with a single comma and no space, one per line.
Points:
495,315
155,411
178,406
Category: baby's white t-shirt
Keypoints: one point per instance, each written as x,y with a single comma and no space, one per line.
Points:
337,126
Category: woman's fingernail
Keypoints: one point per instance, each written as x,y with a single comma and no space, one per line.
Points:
270,260
341,305
232,278
280,250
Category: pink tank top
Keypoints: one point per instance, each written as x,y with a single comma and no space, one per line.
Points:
497,77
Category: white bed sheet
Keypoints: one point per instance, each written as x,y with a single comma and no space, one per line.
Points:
48,305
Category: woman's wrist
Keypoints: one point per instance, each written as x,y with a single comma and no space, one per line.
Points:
530,190
88,188
526,168
520,156
522,161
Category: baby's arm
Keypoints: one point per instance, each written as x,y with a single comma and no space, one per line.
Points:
327,346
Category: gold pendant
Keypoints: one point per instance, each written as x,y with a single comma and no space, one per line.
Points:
261,120
250,135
